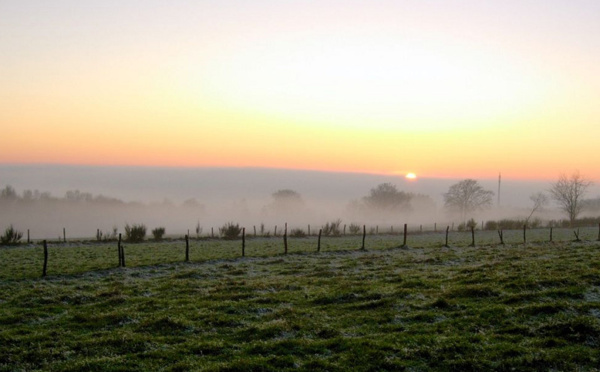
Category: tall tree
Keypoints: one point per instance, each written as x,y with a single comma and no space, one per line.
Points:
386,197
467,196
568,192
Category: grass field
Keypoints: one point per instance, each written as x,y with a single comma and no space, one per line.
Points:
489,307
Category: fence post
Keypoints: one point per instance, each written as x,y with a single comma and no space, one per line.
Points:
187,248
285,243
45,259
377,230
275,231
405,234
364,236
255,231
447,229
525,234
551,234
344,229
64,235
308,230
472,236
119,251
501,235
435,227
319,241
212,232
244,241
29,240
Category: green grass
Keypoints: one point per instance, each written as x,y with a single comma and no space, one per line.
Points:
513,307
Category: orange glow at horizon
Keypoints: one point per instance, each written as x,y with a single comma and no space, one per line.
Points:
372,88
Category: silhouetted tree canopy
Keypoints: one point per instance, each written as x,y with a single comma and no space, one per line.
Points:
386,197
467,196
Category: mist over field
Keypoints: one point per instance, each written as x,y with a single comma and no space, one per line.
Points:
180,199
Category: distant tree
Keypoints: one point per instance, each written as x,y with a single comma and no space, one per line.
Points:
8,193
386,197
568,192
467,196
286,201
539,200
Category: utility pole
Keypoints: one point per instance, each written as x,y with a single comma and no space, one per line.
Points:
499,182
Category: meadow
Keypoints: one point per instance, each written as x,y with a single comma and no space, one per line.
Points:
533,306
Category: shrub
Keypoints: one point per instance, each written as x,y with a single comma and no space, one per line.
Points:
297,233
11,236
354,228
158,233
135,233
230,230
332,228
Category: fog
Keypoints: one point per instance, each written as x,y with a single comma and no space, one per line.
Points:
180,199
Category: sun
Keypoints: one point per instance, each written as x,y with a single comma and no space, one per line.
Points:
411,176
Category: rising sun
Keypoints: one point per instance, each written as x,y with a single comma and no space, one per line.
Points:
411,176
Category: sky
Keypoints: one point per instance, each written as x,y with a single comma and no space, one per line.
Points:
445,89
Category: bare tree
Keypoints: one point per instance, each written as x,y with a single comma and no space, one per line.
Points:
539,200
467,196
568,192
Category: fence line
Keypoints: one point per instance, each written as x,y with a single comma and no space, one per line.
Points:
405,238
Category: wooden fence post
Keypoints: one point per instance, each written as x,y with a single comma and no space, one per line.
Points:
308,230
447,229
344,229
119,250
45,259
275,231
121,253
525,234
377,230
364,236
244,241
472,236
187,248
29,240
319,241
435,227
550,234
64,235
255,231
285,243
405,234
